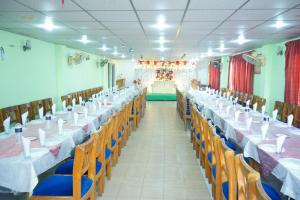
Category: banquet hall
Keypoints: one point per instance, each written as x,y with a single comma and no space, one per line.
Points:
150,100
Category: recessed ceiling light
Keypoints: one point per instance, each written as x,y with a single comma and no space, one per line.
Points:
279,24
209,52
123,56
103,48
241,39
222,47
162,48
48,25
162,39
84,39
161,23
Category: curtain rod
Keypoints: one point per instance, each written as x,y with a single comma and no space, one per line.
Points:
242,52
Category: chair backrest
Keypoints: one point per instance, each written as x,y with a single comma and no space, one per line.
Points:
47,104
279,106
13,112
34,109
1,122
84,161
256,188
24,108
286,111
100,143
296,114
226,159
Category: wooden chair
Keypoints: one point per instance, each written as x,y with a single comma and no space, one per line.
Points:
68,99
296,114
24,108
193,125
34,109
47,104
279,106
258,192
76,186
246,176
114,139
286,111
100,157
226,182
14,113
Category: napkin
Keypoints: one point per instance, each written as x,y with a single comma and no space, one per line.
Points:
255,106
42,137
99,104
279,143
231,98
236,99
60,125
248,103
94,108
26,146
105,102
290,120
24,118
80,100
263,109
75,118
73,102
274,114
41,112
220,106
64,105
236,115
53,108
227,110
6,124
85,110
228,95
248,123
264,130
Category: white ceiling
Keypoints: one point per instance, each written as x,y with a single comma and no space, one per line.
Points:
194,25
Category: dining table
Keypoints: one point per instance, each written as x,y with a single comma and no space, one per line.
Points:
19,173
283,164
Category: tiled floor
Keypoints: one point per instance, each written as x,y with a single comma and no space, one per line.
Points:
158,161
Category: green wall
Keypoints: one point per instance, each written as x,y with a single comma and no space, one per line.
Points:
270,83
43,71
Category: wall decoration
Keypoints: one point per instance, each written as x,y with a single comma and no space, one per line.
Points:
164,64
77,58
164,74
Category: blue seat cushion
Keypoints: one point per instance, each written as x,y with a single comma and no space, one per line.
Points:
67,167
214,171
209,157
113,143
107,153
203,145
119,134
198,136
230,145
225,189
272,193
61,186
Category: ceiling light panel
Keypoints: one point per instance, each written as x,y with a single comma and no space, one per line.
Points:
207,15
114,16
159,5
270,4
70,16
217,4
255,14
46,5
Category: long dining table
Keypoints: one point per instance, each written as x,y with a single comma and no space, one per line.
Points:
284,165
20,174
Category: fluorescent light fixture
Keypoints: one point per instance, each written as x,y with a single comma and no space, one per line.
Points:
48,25
162,48
123,56
279,24
209,52
84,39
104,48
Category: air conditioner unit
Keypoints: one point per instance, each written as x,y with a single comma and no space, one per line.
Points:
258,60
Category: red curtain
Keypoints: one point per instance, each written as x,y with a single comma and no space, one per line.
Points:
292,72
214,76
240,75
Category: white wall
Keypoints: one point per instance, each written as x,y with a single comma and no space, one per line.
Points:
126,69
202,71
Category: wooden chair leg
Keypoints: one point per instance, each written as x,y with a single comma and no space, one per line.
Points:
108,170
101,185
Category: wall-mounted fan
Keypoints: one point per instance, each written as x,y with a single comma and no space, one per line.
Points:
258,60
102,62
27,46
